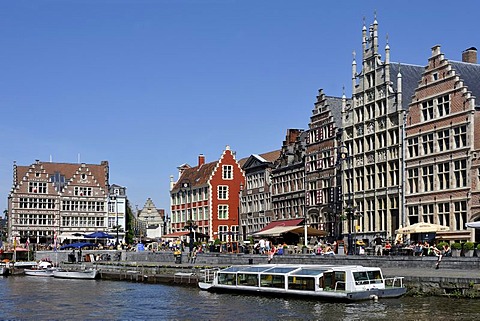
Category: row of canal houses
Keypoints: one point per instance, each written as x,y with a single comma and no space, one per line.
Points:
401,150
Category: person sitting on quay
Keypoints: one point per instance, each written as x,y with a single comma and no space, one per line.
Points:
388,248
418,251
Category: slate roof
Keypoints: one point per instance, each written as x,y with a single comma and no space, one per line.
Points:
411,75
268,156
100,172
198,176
470,74
335,106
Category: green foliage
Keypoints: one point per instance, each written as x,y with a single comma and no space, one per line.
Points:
478,247
456,246
440,245
468,246
217,242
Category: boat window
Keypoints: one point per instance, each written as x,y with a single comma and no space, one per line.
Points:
282,269
255,268
308,272
375,276
333,280
301,283
233,269
226,278
328,281
272,281
360,277
247,279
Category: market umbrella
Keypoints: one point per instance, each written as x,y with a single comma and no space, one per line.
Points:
422,228
473,224
77,246
99,235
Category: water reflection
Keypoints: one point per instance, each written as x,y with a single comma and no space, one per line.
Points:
55,299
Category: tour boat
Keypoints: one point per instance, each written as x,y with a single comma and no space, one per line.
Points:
342,283
75,274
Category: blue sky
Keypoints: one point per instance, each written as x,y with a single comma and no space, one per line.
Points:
149,85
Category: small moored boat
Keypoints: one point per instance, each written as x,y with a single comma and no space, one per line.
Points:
4,269
341,283
75,274
44,269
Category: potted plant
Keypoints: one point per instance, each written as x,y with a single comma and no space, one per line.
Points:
468,248
456,248
440,245
304,249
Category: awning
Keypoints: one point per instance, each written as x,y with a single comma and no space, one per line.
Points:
278,230
183,233
292,222
454,235
176,234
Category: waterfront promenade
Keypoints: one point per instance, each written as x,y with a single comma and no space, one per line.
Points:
459,275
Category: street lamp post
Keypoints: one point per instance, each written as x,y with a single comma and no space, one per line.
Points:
187,186
342,154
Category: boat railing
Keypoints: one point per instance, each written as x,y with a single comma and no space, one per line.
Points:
209,275
395,282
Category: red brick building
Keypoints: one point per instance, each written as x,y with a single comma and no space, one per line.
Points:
207,196
441,150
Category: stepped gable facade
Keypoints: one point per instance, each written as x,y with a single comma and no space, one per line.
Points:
442,154
206,197
48,199
320,165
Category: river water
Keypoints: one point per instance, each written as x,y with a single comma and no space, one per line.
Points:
35,298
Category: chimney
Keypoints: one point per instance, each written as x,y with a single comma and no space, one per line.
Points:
470,55
201,160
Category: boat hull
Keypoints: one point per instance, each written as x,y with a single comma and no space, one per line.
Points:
4,271
39,272
319,295
87,274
